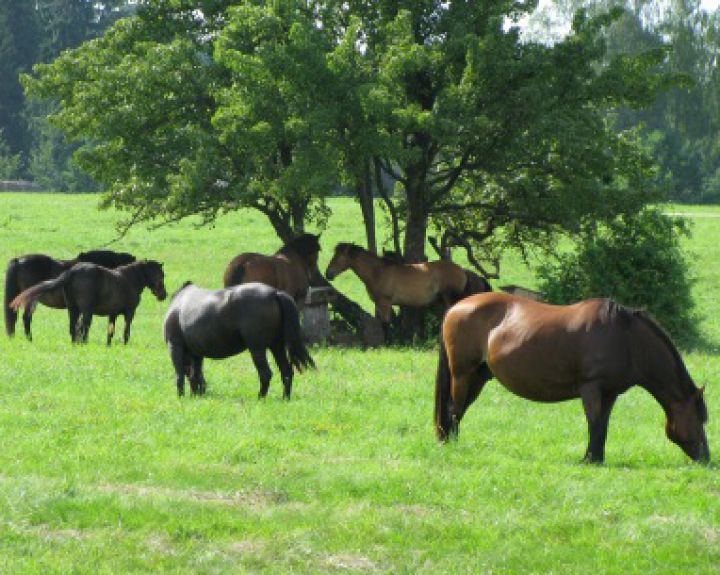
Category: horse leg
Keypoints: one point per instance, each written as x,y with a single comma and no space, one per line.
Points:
261,365
111,328
27,320
597,406
286,371
465,389
197,378
73,318
85,323
177,355
128,315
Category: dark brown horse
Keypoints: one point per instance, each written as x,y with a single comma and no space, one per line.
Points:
593,350
204,323
289,269
390,282
90,290
26,271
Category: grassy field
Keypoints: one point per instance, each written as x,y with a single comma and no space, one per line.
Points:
104,470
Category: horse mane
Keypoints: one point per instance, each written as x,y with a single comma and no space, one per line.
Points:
352,250
613,311
391,257
305,245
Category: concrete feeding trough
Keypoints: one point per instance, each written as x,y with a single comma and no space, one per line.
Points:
522,292
316,317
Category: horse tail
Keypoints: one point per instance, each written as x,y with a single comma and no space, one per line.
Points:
12,289
443,422
292,333
30,295
475,284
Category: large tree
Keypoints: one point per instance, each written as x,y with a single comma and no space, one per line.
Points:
199,107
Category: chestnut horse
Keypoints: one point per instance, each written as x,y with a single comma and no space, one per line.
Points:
390,282
26,271
289,269
90,290
593,350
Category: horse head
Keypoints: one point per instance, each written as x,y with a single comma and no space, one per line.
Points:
307,247
155,278
685,426
342,259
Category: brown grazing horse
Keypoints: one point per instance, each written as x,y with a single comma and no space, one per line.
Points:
26,271
390,282
593,350
289,269
90,290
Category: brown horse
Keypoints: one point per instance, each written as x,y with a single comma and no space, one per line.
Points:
289,269
593,350
28,270
390,282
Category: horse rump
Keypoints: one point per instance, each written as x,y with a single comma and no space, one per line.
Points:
234,274
292,333
32,294
12,289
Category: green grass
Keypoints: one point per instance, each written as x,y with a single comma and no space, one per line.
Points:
104,470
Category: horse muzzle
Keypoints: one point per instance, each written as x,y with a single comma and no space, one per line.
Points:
330,274
703,453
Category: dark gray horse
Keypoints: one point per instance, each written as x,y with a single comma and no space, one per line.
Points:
217,324
28,270
91,289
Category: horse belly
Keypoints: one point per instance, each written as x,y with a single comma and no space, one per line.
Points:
535,371
213,343
54,299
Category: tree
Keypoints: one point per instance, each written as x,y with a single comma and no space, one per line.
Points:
199,107
627,259
195,113
18,41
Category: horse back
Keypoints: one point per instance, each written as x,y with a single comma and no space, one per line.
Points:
538,351
222,323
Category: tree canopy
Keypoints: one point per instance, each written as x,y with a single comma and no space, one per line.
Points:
203,106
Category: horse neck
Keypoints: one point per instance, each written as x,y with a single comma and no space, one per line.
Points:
67,264
134,273
662,371
365,264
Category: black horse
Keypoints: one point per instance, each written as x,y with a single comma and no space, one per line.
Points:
91,289
26,271
202,323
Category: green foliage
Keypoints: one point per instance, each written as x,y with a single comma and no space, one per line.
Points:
204,107
9,163
636,260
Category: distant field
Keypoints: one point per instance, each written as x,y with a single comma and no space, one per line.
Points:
104,470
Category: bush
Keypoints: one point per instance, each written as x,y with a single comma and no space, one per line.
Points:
635,260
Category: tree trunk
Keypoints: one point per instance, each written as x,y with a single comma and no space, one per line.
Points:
365,197
298,212
412,320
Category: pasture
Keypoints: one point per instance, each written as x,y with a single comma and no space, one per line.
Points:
104,470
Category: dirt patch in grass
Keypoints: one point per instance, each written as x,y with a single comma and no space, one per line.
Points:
249,499
350,562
